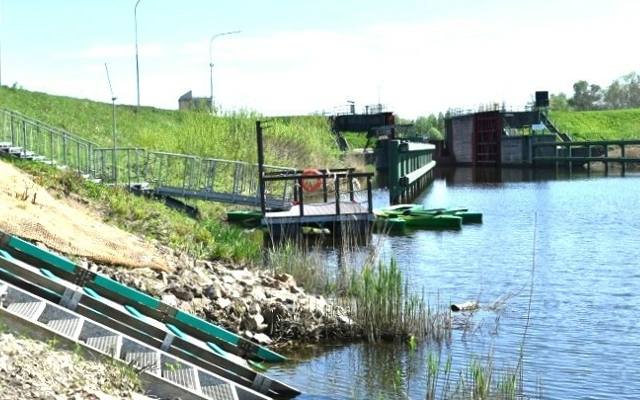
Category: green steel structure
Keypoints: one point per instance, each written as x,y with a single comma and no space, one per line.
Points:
139,315
410,169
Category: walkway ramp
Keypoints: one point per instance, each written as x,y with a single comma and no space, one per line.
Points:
155,172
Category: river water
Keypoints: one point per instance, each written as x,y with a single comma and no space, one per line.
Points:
583,339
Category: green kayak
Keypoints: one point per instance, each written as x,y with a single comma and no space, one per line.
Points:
402,210
420,221
428,221
390,224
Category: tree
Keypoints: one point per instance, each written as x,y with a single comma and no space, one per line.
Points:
585,96
616,96
430,126
422,125
559,102
435,134
632,89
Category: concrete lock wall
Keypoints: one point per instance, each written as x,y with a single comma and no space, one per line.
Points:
462,139
541,151
511,149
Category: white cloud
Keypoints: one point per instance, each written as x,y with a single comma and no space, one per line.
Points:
417,68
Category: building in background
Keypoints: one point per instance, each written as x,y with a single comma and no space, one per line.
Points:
188,102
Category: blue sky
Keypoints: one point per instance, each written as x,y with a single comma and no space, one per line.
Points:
298,57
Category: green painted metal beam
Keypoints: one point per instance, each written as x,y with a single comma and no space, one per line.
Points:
110,288
411,177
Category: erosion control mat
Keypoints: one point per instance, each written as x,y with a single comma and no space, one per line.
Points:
29,211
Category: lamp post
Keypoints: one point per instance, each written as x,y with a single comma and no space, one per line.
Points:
113,127
135,22
211,63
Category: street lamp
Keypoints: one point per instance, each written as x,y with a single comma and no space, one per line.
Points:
113,127
135,21
211,63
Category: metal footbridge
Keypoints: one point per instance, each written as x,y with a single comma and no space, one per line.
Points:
177,355
152,172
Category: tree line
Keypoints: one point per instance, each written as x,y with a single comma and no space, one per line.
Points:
621,93
431,126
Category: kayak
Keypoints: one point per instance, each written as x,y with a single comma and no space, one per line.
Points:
418,220
390,224
402,210
430,221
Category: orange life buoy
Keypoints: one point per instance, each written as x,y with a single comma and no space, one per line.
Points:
311,185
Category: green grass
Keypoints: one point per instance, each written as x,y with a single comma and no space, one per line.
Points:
289,141
598,125
293,141
207,237
357,140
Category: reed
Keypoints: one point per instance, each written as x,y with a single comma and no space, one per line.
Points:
376,296
478,381
383,306
307,267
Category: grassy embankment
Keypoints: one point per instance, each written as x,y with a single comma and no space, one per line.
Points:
598,125
292,142
376,293
296,141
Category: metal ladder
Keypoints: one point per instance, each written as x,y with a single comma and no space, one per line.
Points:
162,374
138,316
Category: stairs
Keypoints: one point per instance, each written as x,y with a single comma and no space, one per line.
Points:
162,374
78,304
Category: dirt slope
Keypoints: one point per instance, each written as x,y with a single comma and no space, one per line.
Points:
29,211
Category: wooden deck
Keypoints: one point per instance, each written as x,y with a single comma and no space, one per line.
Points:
320,213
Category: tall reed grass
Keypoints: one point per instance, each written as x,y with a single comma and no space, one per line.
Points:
479,381
386,309
374,294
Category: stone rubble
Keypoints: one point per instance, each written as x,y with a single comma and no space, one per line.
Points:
31,369
258,304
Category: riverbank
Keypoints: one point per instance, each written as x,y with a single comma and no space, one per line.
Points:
261,305
269,308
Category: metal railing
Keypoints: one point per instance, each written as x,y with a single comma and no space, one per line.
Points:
124,165
55,146
166,173
459,112
336,187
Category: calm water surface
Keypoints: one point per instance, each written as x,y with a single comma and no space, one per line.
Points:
584,334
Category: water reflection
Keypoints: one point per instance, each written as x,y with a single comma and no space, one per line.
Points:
584,337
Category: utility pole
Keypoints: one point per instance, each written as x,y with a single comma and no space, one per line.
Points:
135,20
211,64
113,127
261,188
